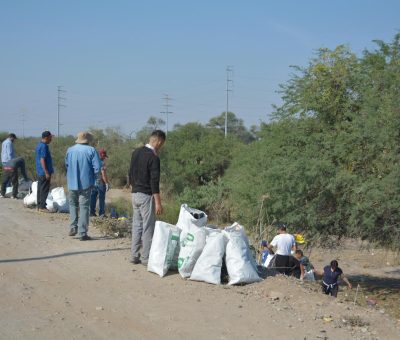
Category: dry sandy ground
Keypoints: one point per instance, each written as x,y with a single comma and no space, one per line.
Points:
53,286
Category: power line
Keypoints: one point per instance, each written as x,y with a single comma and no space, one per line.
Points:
167,105
59,105
229,82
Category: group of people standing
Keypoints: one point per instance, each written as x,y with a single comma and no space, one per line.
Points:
87,181
86,177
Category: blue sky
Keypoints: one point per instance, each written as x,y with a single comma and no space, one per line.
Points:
116,59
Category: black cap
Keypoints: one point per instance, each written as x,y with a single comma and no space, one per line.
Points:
46,134
12,135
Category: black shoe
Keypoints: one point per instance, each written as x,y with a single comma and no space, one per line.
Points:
135,260
93,215
72,232
85,238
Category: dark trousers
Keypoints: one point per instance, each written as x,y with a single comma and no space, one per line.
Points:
42,191
10,176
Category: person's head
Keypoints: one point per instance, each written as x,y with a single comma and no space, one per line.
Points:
84,137
12,137
282,228
157,139
298,254
264,244
47,137
103,154
334,265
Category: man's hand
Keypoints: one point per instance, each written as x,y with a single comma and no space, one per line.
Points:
159,208
108,186
48,176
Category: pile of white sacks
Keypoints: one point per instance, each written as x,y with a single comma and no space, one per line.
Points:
56,199
197,251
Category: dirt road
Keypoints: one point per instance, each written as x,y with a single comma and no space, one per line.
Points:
53,286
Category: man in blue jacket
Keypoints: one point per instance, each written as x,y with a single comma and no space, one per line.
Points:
83,165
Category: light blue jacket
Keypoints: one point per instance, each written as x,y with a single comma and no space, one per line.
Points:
83,164
7,151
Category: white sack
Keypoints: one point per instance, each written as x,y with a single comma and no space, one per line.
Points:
268,260
309,275
192,239
60,201
240,263
191,217
31,199
208,265
192,243
49,202
165,240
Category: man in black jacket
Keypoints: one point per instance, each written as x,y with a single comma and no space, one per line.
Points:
144,178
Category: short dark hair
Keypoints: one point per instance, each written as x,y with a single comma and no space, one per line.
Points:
12,135
299,251
281,226
159,134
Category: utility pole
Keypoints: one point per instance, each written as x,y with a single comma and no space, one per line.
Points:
23,120
229,81
59,105
167,112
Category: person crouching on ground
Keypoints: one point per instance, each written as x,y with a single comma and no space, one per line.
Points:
330,276
44,170
144,178
101,187
285,243
83,165
308,268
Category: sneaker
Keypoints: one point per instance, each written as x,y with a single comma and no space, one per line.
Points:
93,215
72,232
144,262
135,260
85,238
14,197
1,196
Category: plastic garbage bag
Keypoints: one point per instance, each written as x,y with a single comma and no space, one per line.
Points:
162,251
60,201
208,265
31,199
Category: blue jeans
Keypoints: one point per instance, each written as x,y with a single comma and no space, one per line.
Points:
79,199
98,190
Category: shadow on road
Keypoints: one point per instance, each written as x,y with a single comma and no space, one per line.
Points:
62,255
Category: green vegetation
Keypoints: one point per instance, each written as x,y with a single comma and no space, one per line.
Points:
327,164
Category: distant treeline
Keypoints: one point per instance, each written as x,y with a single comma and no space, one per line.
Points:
327,163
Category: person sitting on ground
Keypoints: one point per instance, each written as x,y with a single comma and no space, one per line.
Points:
308,268
285,243
11,163
330,276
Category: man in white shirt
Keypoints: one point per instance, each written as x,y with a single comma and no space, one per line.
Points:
284,244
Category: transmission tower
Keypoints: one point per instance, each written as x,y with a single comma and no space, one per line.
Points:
23,120
167,112
229,83
60,91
